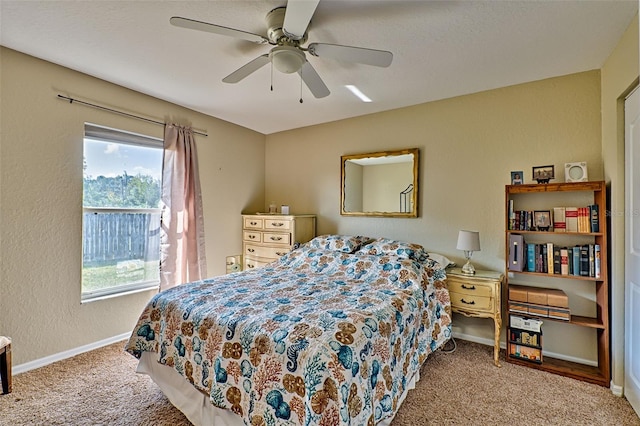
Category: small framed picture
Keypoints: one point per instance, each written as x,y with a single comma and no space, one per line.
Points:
516,178
543,174
542,220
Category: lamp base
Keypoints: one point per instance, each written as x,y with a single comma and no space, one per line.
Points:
468,268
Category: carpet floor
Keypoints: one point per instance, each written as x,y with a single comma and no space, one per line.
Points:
460,388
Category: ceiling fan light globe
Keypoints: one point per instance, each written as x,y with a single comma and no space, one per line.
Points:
287,59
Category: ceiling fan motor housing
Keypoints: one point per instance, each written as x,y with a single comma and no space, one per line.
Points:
275,30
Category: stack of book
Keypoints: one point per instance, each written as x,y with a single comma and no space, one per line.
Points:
540,302
565,219
576,219
548,258
525,339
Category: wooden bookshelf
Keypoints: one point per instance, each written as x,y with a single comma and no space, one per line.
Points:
600,374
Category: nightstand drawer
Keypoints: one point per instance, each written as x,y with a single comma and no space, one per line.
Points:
474,289
476,303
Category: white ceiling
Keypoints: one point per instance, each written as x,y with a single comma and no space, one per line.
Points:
441,49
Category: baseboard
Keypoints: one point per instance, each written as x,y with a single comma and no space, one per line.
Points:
489,342
21,368
616,389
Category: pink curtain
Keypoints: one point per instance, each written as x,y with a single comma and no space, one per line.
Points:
182,251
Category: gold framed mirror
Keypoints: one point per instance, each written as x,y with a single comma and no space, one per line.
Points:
383,184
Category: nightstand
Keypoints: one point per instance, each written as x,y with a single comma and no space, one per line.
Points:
478,296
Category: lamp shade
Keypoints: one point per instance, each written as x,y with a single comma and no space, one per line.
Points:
468,240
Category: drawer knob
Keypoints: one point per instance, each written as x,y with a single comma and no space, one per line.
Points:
468,303
250,250
279,253
276,238
250,265
254,223
473,287
252,236
277,224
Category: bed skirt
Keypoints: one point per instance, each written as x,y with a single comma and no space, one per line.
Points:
196,406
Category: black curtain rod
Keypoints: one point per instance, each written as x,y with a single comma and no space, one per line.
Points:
71,100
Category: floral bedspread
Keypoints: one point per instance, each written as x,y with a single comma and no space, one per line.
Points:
318,337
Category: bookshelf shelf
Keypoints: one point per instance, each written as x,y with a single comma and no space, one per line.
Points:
546,197
568,277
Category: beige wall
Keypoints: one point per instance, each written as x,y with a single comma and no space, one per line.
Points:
41,200
468,147
619,76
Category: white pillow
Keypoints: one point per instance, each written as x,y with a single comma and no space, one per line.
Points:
442,260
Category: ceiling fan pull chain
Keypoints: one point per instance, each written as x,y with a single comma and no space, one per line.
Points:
272,76
300,89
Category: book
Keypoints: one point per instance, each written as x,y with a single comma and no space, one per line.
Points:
592,261
550,258
525,337
559,221
557,260
571,219
544,261
576,260
512,216
526,353
538,249
530,324
531,257
597,260
584,260
564,261
516,252
594,217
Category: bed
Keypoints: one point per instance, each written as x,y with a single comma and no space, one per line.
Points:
332,333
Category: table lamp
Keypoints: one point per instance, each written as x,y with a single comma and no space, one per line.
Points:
468,241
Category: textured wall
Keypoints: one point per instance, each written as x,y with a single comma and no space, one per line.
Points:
468,146
41,200
619,76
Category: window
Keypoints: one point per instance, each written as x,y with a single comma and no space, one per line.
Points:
122,175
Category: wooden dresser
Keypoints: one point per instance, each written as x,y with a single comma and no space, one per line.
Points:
266,237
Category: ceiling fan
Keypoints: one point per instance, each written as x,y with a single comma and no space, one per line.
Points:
287,30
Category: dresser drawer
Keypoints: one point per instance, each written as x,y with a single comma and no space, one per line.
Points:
474,289
253,223
277,224
273,253
253,264
280,238
254,236
471,302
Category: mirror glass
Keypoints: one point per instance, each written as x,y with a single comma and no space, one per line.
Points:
380,184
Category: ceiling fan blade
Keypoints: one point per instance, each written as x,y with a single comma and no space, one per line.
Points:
313,81
247,69
216,29
297,17
378,58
